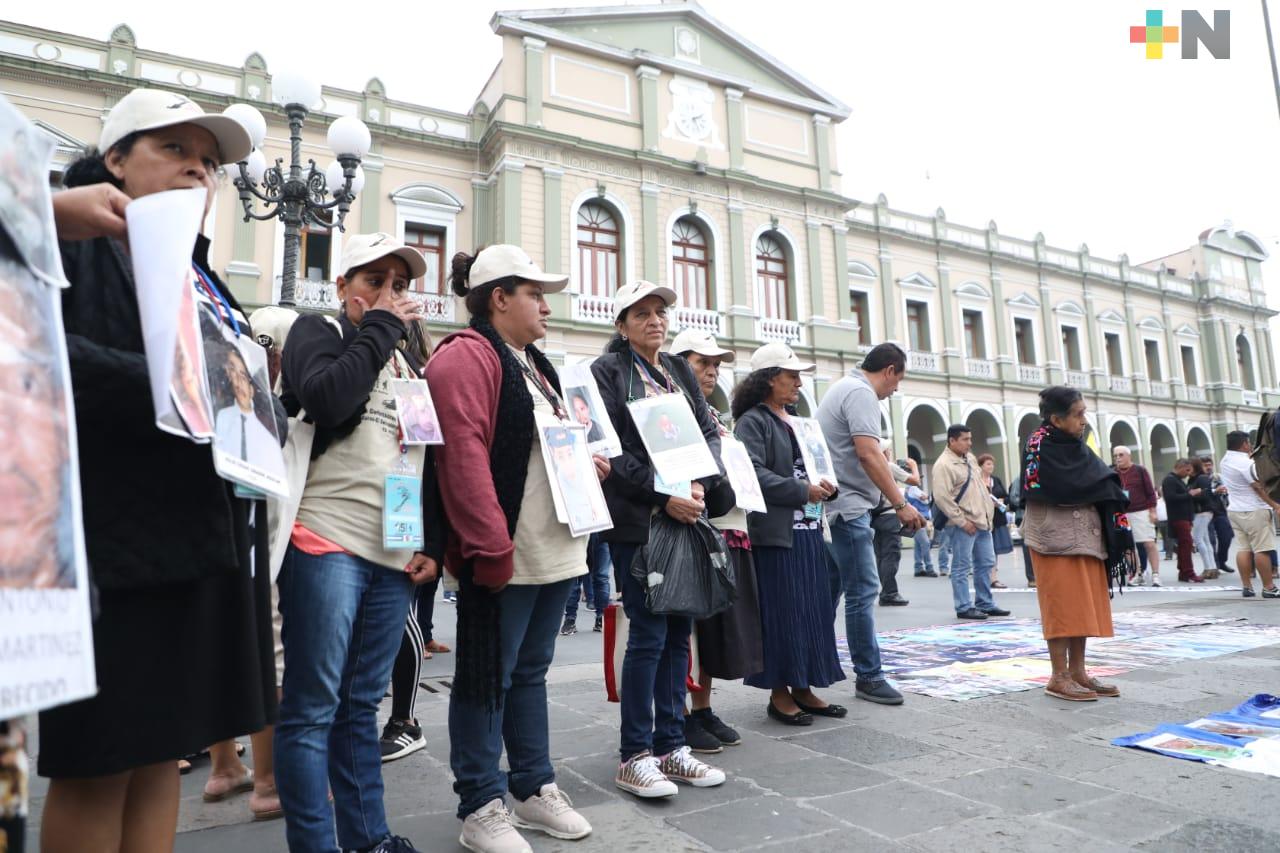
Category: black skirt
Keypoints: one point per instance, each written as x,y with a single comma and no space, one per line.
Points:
180,667
730,645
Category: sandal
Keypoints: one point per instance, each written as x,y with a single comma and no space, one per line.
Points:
438,648
243,786
998,585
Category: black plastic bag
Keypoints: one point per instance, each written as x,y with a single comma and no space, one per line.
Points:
685,569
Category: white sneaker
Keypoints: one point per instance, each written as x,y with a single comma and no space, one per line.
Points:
640,775
551,811
490,830
681,766
1153,578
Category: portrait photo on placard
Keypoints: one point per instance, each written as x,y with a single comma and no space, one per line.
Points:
416,412
576,488
582,397
813,445
38,489
671,435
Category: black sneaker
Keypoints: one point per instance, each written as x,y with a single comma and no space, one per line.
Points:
400,738
725,734
1225,568
599,626
879,692
698,738
971,613
391,844
569,628
996,611
1248,592
1271,593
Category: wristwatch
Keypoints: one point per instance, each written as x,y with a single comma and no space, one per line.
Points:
899,506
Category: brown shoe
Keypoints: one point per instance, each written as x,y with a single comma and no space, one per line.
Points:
1063,687
1098,687
1212,574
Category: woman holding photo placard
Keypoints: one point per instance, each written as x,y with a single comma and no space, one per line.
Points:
654,754
796,610
368,529
729,643
183,623
498,396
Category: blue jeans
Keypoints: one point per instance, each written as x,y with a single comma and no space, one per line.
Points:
343,618
654,670
528,622
971,554
597,578
943,538
923,559
851,563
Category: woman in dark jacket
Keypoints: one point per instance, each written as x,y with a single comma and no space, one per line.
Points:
653,750
796,610
1201,480
182,639
1001,541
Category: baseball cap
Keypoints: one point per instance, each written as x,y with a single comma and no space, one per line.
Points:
502,260
274,321
778,355
152,109
703,343
632,293
364,249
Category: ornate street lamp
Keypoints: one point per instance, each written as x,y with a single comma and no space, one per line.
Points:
295,197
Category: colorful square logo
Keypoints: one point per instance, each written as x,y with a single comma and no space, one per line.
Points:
1155,35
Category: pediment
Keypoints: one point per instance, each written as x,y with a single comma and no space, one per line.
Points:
1023,300
1111,316
917,280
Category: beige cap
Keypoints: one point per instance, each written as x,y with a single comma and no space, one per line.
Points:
703,343
778,355
274,321
630,294
503,260
364,249
152,109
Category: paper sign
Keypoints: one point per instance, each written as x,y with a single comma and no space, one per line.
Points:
672,438
575,488
416,412
742,474
586,407
813,449
26,205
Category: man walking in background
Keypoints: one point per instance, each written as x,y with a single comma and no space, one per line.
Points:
1141,512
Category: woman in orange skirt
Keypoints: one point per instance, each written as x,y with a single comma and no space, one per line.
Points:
1078,537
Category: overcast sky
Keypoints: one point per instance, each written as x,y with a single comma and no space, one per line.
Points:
1041,116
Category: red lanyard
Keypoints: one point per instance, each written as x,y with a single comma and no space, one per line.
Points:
557,405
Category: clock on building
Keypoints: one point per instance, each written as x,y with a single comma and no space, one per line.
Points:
691,117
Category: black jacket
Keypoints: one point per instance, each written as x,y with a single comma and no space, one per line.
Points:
331,377
1178,501
998,491
769,443
629,487
154,510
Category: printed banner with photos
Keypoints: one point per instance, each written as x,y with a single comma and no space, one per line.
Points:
46,639
961,662
1245,738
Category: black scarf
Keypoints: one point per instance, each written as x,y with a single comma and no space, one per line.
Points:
478,675
1060,469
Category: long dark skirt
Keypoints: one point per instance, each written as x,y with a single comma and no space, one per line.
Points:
796,615
730,645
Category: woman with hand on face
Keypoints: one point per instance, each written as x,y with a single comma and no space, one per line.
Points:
653,751
345,589
729,643
796,610
183,620
495,391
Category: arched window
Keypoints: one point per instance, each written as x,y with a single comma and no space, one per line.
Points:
691,263
1244,360
598,240
771,278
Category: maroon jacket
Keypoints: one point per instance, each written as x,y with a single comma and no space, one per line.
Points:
1142,492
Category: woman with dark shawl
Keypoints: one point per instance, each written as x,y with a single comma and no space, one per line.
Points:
1078,538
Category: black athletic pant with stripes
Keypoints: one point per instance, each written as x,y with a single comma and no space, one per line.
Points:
408,666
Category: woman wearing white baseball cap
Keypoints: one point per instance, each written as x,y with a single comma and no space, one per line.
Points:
183,622
513,559
729,643
653,751
796,609
345,589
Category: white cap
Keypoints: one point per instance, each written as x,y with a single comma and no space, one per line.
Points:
778,355
703,343
274,321
630,294
503,260
152,109
364,249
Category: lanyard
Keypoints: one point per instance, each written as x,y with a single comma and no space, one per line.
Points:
557,405
647,377
220,303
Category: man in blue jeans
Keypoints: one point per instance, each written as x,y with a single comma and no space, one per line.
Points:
850,419
961,496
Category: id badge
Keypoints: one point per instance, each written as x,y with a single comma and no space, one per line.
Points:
813,511
679,489
248,492
402,512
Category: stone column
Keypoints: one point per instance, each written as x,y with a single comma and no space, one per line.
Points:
649,235
844,310
734,126
481,212
510,176
648,77
952,354
812,235
371,197
1056,372
552,220
533,50
822,149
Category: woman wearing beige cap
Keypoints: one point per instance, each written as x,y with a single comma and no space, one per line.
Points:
653,751
345,585
796,611
729,643
183,634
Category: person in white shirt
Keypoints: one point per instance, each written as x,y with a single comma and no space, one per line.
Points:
1249,512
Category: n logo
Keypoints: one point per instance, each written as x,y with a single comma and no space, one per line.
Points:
1216,39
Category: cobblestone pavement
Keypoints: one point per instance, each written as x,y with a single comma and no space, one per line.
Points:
1016,772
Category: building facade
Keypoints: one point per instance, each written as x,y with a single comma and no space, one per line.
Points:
653,142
